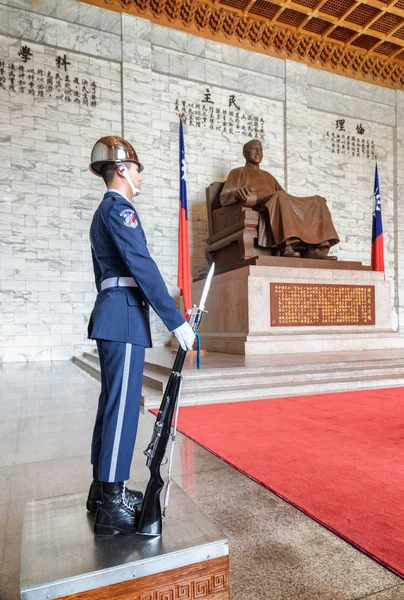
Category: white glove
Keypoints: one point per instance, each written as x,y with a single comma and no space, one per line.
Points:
185,336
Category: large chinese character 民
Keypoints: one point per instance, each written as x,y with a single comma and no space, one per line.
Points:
232,101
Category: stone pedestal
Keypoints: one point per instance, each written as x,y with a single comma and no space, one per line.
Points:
61,558
239,317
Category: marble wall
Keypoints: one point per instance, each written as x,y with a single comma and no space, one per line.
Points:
47,194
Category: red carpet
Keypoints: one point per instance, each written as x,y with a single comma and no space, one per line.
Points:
338,457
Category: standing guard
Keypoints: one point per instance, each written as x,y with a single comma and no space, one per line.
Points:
128,281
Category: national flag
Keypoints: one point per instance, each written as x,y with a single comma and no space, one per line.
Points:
184,262
377,229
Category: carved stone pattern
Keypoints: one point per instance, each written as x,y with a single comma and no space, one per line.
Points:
219,582
202,587
223,218
184,591
291,44
198,589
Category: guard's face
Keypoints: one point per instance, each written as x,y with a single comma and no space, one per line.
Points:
134,174
254,153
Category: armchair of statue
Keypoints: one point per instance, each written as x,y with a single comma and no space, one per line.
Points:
232,231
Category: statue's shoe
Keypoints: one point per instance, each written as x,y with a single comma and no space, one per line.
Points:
290,253
321,254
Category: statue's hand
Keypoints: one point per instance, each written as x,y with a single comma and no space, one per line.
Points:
242,194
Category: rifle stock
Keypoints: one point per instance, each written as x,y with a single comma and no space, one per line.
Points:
148,520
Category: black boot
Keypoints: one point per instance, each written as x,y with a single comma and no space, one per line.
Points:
95,494
114,513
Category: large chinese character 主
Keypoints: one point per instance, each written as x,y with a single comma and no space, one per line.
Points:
232,101
208,97
360,129
340,124
61,61
25,53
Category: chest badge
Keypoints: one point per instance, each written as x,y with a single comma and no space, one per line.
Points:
129,218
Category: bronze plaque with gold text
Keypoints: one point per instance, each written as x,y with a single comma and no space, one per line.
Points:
311,304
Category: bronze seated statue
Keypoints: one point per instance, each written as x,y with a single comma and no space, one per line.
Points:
252,215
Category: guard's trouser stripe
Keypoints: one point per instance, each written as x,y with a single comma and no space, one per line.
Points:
121,413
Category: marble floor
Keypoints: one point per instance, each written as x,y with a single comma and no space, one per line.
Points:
276,552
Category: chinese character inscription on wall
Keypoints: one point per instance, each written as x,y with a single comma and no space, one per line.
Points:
230,119
349,141
22,78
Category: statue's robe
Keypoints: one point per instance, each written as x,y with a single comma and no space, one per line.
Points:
282,216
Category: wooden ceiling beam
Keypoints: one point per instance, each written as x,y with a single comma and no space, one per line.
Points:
270,36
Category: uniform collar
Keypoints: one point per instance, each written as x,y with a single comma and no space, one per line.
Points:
113,191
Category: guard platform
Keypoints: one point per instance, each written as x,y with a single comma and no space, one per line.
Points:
61,558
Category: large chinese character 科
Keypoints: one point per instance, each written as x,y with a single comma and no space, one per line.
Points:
61,61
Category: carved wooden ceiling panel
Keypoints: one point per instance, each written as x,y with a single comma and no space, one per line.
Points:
364,40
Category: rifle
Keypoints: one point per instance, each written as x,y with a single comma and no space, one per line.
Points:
149,520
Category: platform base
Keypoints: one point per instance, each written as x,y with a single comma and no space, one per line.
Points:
239,319
61,558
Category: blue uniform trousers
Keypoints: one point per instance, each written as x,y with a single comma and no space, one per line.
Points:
118,409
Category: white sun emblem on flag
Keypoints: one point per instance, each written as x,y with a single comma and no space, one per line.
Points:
183,169
378,204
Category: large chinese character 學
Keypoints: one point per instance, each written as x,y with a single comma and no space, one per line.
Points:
61,61
25,53
232,101
340,124
360,129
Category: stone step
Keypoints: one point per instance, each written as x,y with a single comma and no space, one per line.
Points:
252,383
256,380
278,391
89,366
92,367
156,376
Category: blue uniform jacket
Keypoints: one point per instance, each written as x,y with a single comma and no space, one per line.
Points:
119,249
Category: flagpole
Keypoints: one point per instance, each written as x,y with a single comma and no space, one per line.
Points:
184,261
377,228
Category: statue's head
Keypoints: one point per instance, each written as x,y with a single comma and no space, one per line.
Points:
252,152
